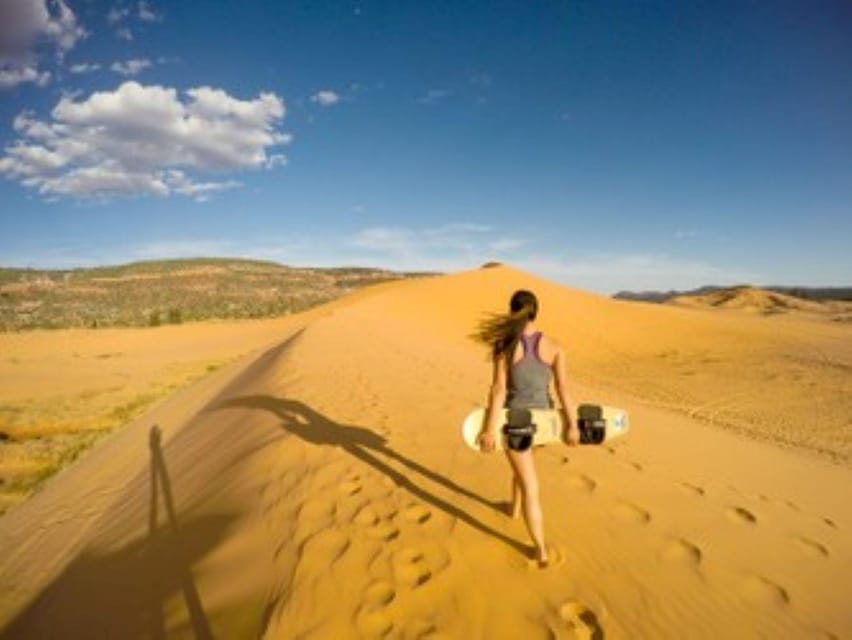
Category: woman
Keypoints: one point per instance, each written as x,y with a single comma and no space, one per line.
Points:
524,362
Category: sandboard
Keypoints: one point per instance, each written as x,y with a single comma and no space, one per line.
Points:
597,423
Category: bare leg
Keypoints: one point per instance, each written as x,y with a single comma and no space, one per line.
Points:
524,468
517,498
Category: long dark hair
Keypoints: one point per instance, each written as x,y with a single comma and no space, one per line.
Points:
501,331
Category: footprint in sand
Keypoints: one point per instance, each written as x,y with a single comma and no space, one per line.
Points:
683,551
316,510
379,594
555,558
692,488
413,567
350,487
812,547
416,513
419,628
366,516
369,520
743,516
762,591
372,618
386,531
581,482
581,621
629,512
410,568
829,522
329,545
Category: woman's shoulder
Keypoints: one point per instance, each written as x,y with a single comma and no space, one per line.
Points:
548,348
548,341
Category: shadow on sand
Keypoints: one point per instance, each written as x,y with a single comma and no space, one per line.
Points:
369,447
122,593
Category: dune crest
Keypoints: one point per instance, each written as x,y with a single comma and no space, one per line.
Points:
321,489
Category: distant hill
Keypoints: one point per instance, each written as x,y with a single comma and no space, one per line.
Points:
805,293
170,291
749,299
829,303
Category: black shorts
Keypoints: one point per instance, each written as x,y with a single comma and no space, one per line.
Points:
519,430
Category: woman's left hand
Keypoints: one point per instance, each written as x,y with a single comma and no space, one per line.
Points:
573,435
486,440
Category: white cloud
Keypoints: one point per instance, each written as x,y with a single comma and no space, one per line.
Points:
411,249
434,95
197,248
117,14
12,76
145,13
609,272
130,67
501,245
325,98
24,22
124,34
454,243
24,26
277,159
458,246
178,181
84,67
145,140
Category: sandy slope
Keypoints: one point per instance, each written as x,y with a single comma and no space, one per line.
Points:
754,300
321,490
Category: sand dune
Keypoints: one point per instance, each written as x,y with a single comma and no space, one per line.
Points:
321,489
757,300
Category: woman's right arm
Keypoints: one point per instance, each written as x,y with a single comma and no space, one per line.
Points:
564,399
496,399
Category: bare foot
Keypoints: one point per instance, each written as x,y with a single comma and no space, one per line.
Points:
541,557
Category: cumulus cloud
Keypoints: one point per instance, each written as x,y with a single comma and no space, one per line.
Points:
325,98
130,67
27,25
84,67
145,140
14,75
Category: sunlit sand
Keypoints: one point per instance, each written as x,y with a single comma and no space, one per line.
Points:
318,487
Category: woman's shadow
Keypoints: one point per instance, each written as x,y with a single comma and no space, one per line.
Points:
367,446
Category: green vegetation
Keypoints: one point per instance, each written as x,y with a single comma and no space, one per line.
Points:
42,437
170,292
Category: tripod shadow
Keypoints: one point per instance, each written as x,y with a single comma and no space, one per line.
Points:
369,447
160,482
122,592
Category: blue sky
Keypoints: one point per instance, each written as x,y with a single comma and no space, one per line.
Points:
605,145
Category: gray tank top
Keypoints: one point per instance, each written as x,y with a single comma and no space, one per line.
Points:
529,378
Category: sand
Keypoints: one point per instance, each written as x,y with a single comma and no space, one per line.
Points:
320,488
